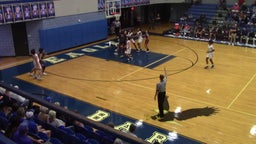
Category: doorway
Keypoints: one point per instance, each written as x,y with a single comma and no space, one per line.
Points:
20,40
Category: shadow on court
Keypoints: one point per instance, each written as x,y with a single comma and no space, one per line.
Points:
187,114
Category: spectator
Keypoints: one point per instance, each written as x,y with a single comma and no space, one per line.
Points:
240,2
243,35
206,32
132,129
254,7
202,19
244,19
131,132
186,30
52,120
251,36
43,114
232,34
13,97
222,4
5,110
244,8
21,135
253,20
176,29
33,127
15,122
235,8
199,31
213,33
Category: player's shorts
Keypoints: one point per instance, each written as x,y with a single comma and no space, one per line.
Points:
209,55
146,41
37,65
128,51
140,40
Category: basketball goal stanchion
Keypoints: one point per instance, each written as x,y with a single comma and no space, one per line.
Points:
113,9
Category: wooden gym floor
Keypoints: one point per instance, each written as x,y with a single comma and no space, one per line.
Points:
218,105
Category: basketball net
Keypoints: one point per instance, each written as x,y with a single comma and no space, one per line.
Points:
113,9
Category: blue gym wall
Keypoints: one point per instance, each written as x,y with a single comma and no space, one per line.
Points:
6,41
57,33
70,31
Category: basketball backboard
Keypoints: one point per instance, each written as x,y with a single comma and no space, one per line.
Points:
113,8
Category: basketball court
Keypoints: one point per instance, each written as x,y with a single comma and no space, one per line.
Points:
205,105
217,105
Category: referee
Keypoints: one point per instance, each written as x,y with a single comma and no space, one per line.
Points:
160,93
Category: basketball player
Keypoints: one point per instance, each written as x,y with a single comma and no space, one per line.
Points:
117,25
122,43
146,40
128,49
140,39
209,55
36,72
161,93
41,56
130,35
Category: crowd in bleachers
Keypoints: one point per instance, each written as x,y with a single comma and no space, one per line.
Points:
31,123
238,26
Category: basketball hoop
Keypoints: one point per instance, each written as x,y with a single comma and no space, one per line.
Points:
117,16
113,9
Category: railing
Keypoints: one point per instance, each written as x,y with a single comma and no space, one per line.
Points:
33,98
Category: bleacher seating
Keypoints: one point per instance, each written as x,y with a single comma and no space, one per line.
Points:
209,10
69,135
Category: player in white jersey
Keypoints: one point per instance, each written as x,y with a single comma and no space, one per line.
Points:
130,35
209,54
36,72
140,39
128,49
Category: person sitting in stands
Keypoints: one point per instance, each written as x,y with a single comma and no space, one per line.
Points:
251,36
202,19
43,114
15,122
235,8
199,31
16,98
176,29
244,8
243,35
21,135
5,110
213,33
186,30
33,127
52,120
131,132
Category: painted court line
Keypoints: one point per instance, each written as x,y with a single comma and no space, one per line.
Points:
243,89
149,64
142,68
197,101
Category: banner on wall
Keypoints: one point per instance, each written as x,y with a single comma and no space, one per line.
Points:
8,13
26,11
1,15
19,12
51,9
